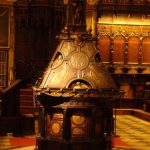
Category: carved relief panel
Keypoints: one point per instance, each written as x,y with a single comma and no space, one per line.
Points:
55,126
78,125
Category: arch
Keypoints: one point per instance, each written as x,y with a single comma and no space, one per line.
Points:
58,59
146,50
80,84
104,45
118,48
133,49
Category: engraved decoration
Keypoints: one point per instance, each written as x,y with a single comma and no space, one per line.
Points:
79,60
55,128
73,62
78,119
78,125
55,125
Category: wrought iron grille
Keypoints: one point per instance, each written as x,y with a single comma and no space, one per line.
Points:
3,67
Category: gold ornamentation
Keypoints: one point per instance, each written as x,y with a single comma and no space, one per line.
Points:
78,119
78,131
56,128
92,2
79,60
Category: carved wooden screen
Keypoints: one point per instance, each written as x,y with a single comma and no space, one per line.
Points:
119,47
146,50
133,50
4,27
104,45
3,67
4,44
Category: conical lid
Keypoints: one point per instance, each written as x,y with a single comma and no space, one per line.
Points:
76,64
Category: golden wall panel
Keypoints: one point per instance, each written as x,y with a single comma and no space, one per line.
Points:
146,50
104,44
133,50
119,46
134,28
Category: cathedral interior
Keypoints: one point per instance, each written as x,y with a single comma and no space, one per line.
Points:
75,73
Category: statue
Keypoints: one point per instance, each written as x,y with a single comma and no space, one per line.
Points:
77,12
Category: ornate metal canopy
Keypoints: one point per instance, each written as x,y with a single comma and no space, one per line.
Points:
76,63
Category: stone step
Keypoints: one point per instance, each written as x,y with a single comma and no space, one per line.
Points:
26,97
27,91
26,103
27,109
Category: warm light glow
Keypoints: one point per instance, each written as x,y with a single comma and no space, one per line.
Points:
65,2
124,19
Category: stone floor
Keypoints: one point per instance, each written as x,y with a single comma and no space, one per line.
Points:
134,131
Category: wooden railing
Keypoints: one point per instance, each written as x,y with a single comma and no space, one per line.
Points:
10,99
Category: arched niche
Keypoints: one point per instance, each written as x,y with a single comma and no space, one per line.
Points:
133,49
119,47
146,50
57,60
104,45
80,84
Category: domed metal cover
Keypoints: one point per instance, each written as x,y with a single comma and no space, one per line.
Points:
76,65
